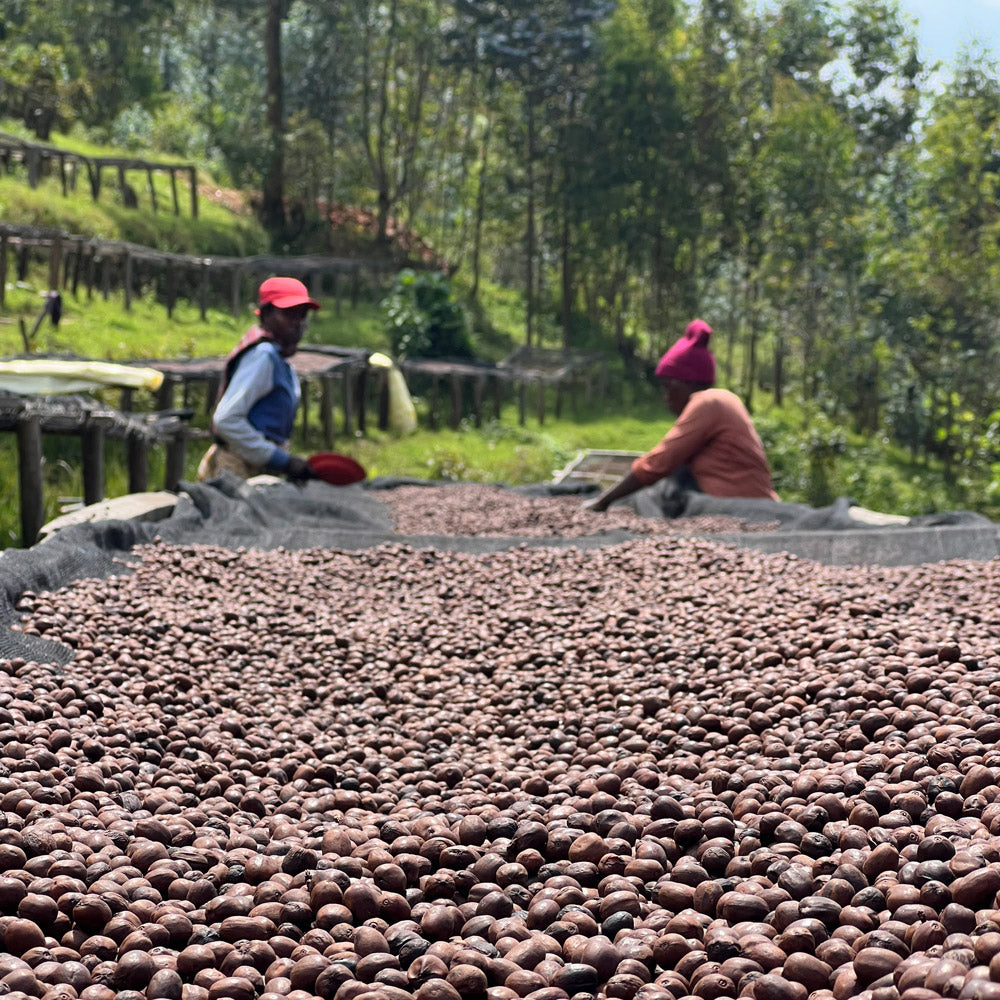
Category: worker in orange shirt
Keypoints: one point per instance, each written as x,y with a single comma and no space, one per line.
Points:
713,446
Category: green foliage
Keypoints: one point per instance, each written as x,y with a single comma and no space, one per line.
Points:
424,319
176,131
132,128
44,82
803,447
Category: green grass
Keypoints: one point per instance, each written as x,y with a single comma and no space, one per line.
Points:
216,230
95,327
502,451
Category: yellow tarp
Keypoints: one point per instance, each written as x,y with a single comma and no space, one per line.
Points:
41,377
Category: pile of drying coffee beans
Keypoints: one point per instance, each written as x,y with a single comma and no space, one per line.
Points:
658,770
470,509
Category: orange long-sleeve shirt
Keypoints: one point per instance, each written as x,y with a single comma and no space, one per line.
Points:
716,439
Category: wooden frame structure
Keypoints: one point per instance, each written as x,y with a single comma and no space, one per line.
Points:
35,156
103,266
595,465
31,417
331,368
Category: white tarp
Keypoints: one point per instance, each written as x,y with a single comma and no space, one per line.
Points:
43,377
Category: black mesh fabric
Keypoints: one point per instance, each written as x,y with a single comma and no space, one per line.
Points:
230,513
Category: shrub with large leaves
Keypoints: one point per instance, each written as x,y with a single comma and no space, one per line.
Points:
424,318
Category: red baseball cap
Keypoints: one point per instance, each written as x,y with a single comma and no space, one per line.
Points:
284,293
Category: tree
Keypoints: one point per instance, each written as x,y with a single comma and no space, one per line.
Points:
104,54
323,75
273,188
633,190
540,46
936,278
813,199
881,93
398,46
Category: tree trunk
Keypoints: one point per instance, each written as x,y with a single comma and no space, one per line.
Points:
567,281
779,370
529,228
751,361
273,191
477,232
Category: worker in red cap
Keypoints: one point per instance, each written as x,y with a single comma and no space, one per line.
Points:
713,445
260,392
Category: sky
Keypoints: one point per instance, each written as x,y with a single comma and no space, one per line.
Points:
944,27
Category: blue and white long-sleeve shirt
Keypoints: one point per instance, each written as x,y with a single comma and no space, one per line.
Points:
256,412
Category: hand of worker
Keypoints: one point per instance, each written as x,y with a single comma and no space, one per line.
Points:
298,470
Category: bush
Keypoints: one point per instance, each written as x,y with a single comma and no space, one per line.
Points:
175,129
424,319
133,128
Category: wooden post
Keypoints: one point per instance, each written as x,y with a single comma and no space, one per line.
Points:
152,188
77,264
237,283
170,291
497,397
92,453
211,392
138,464
193,172
106,276
541,401
336,293
173,191
55,263
62,173
91,267
477,399
127,280
521,402
304,407
94,176
34,166
4,249
165,394
432,406
383,399
362,402
347,382
29,469
559,398
456,400
203,289
125,403
176,456
326,409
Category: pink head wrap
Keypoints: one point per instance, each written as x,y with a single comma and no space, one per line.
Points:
690,358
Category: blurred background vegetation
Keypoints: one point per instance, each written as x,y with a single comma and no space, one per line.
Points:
586,175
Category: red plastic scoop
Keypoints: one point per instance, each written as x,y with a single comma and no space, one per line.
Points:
337,470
